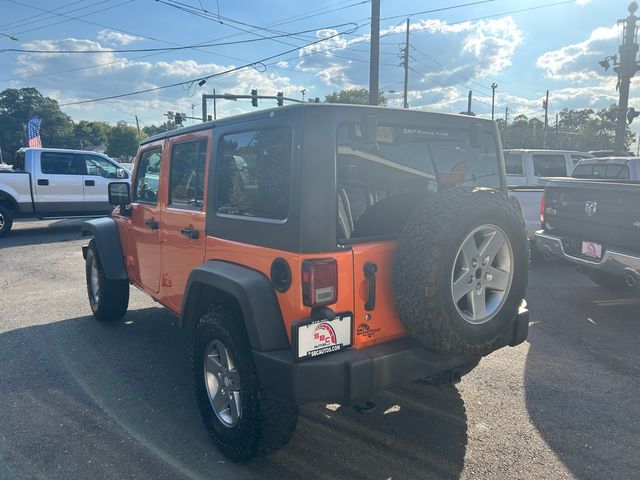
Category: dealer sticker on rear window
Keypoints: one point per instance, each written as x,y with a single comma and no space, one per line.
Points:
319,337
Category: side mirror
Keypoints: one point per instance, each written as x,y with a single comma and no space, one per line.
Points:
119,193
121,173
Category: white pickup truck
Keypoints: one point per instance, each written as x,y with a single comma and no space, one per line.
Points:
526,169
51,182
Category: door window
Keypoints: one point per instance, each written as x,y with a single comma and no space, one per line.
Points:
551,165
54,163
99,166
253,173
186,176
513,163
148,178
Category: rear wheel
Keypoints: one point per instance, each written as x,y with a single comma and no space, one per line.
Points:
241,418
610,281
108,299
6,221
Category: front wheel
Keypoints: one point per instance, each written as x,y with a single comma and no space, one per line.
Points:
241,418
108,299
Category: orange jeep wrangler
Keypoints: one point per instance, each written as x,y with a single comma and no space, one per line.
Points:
319,253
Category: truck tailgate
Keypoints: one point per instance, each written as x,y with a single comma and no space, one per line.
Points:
601,211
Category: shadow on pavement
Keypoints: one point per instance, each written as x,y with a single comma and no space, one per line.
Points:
582,375
116,400
36,233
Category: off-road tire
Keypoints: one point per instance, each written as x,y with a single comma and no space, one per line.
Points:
265,424
424,261
7,221
607,280
113,298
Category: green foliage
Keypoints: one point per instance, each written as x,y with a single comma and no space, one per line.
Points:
18,106
151,130
88,134
581,130
357,96
122,141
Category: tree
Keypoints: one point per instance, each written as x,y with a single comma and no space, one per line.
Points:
89,134
357,96
18,106
122,141
151,130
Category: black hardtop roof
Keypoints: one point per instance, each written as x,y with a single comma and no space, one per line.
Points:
290,109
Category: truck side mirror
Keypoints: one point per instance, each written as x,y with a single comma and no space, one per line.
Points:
119,193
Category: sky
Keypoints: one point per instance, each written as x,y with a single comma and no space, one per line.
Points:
525,47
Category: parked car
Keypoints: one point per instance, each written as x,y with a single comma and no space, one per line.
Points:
526,169
594,223
329,252
52,182
623,168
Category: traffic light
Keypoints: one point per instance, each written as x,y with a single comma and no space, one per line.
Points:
254,98
280,99
631,114
178,118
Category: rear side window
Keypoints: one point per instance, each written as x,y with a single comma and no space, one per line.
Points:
148,177
612,171
253,173
513,163
186,175
549,165
53,163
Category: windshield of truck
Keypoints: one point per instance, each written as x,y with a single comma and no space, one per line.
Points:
405,163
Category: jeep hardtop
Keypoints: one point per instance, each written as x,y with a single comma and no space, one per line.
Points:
319,253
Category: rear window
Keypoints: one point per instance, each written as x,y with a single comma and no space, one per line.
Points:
549,165
405,162
54,163
595,170
513,163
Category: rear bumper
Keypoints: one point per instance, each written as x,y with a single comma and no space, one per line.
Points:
354,375
613,261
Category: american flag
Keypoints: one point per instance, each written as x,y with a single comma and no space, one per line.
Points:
33,131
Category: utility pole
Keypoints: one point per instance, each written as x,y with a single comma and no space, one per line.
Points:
193,106
557,138
493,97
469,102
626,69
374,55
303,91
406,67
138,127
545,104
506,115
215,114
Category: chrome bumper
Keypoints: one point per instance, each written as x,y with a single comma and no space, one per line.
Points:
614,262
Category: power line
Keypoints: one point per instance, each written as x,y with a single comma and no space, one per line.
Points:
168,49
206,77
407,15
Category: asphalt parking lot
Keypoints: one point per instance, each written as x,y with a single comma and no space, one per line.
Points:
81,399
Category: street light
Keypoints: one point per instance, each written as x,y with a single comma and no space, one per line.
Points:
605,62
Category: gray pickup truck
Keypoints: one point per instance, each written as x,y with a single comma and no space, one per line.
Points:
594,223
51,183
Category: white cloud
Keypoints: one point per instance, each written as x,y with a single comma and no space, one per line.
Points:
579,62
117,38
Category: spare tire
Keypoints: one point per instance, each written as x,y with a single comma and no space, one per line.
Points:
460,271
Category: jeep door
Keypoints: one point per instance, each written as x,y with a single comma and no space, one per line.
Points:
183,219
144,241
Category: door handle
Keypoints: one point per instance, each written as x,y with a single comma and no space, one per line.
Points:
152,224
90,183
43,182
370,270
191,233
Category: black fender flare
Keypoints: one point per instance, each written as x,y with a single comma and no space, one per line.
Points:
105,232
254,295
7,199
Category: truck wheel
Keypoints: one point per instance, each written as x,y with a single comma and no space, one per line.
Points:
243,420
6,221
109,299
460,271
609,281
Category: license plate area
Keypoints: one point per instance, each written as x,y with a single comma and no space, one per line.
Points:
592,250
314,338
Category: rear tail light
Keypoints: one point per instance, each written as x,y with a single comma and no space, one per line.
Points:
319,282
542,210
